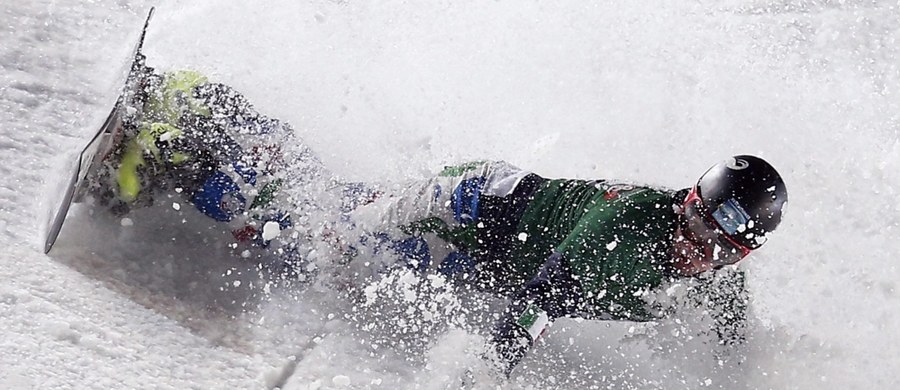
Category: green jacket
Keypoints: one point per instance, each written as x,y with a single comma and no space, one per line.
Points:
615,237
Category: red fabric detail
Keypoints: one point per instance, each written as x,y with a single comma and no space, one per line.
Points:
245,233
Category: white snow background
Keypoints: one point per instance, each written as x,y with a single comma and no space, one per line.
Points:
649,91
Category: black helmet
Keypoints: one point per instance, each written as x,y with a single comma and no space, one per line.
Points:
746,197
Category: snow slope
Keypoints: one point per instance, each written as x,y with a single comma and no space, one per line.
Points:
648,91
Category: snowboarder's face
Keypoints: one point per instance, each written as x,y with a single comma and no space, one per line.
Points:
690,256
699,244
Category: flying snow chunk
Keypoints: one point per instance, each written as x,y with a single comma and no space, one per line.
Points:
341,380
166,136
126,222
271,230
523,236
62,331
716,250
612,245
176,206
371,293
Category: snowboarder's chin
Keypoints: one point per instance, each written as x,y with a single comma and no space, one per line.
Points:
687,257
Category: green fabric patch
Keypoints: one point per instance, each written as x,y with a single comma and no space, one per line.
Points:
615,244
267,194
176,97
463,238
459,170
529,316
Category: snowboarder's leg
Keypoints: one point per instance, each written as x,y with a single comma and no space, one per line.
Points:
415,218
453,196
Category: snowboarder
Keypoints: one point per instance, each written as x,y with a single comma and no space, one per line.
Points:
593,249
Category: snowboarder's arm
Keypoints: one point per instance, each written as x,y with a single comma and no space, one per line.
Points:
552,293
601,270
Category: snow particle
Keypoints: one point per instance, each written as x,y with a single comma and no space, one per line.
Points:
245,254
523,236
127,222
271,230
166,136
341,380
612,245
62,331
176,206
236,283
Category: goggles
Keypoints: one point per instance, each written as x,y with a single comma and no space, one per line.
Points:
708,230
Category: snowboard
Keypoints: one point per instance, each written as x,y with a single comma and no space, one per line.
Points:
103,142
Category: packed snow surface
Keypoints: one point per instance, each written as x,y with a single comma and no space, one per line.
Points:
648,91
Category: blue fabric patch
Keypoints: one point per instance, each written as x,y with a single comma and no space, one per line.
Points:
415,252
456,263
246,173
437,191
465,199
412,252
354,195
219,198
